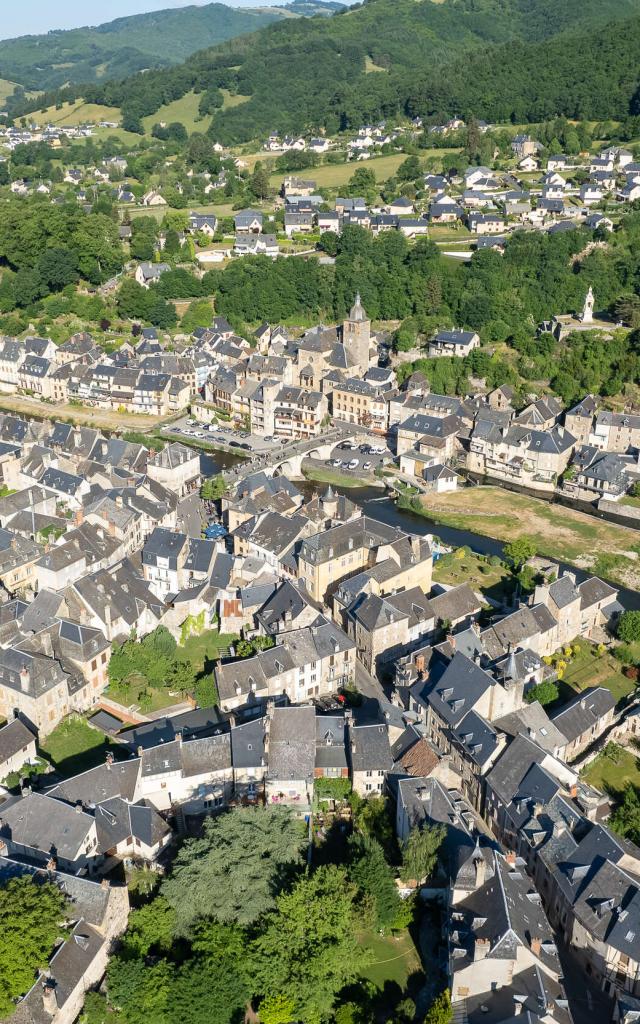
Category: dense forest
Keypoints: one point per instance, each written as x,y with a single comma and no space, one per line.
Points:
386,57
48,251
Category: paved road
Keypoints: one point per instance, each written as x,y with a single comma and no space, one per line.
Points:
367,685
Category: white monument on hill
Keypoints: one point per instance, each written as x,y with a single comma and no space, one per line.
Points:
587,311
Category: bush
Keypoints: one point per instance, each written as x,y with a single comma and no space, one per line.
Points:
629,627
336,789
546,693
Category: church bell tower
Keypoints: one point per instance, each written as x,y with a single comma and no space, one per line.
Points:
356,335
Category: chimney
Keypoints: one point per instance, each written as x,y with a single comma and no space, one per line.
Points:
532,733
107,618
451,640
517,1007
510,857
105,883
108,760
79,517
140,751
78,808
47,646
573,790
52,864
49,1001
535,945
480,949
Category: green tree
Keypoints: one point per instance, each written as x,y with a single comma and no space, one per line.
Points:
420,852
96,1010
375,881
409,169
234,871
150,928
629,627
625,819
214,488
30,916
545,693
519,551
307,949
140,991
259,182
371,817
440,1011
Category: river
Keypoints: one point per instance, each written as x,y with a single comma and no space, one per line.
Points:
384,509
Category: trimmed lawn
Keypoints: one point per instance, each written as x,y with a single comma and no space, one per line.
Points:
588,668
395,959
74,747
494,581
450,233
203,650
558,532
613,776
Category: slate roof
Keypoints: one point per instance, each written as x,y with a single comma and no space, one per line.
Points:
292,744
38,822
331,741
14,737
370,748
584,712
532,720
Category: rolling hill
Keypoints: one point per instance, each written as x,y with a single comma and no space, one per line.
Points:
307,74
127,45
517,60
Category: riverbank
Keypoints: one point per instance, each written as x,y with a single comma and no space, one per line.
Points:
79,415
560,533
335,479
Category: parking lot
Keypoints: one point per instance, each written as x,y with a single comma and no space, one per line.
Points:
189,429
366,456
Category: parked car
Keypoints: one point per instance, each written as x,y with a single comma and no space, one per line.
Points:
347,446
367,465
353,464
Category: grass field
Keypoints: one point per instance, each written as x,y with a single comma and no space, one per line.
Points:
588,668
231,100
394,960
494,581
6,89
449,233
74,747
558,532
78,113
614,775
335,478
203,650
184,110
335,175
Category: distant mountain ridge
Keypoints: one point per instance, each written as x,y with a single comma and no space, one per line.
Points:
134,43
